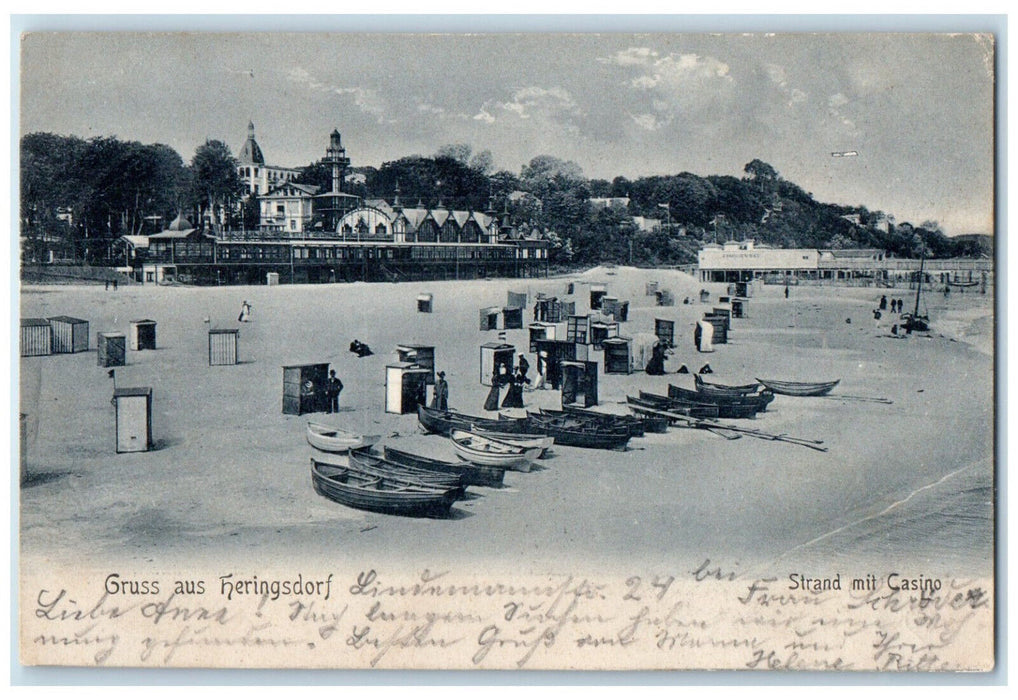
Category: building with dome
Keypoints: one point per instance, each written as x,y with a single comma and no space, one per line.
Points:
306,235
180,244
258,177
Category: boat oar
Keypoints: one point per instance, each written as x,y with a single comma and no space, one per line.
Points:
705,424
726,435
847,397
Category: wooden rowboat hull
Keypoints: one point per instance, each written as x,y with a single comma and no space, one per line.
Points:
376,464
444,422
799,388
659,403
728,406
470,474
634,425
527,441
471,448
351,488
706,387
328,439
569,431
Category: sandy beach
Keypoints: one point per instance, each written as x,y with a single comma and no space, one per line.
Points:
909,483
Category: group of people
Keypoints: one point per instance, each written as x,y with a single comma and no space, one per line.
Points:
896,305
333,388
656,365
113,282
513,377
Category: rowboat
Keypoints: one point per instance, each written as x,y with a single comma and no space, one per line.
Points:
612,420
493,453
638,425
574,432
525,440
470,474
673,405
964,284
743,406
330,439
356,489
373,463
444,422
706,387
799,388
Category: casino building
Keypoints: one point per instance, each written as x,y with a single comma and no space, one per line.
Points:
307,236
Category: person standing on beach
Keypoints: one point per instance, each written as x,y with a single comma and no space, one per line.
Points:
441,398
491,402
308,404
786,290
523,367
333,387
245,312
883,302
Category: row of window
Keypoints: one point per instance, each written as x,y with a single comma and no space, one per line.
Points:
193,250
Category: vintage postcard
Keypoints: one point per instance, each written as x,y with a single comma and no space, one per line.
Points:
507,351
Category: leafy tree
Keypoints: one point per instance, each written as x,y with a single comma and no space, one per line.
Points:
215,180
251,213
545,174
482,162
316,174
457,151
760,172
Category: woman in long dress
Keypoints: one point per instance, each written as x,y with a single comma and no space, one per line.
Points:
491,403
514,397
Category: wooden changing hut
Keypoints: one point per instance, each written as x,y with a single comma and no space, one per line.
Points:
36,337
69,334
304,388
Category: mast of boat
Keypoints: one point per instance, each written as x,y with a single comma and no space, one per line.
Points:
919,283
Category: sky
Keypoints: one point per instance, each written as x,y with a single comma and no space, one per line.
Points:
917,109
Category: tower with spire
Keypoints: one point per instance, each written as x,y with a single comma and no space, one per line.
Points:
332,205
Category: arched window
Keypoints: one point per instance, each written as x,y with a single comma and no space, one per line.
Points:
427,232
381,230
449,232
471,232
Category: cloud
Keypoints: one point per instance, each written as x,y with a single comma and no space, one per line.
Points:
676,71
672,84
485,116
837,100
543,104
367,99
650,122
834,109
634,56
779,77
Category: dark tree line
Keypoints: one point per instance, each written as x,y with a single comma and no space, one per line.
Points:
77,196
85,193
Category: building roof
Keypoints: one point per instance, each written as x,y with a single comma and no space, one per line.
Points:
180,224
170,234
381,205
306,190
250,153
136,241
